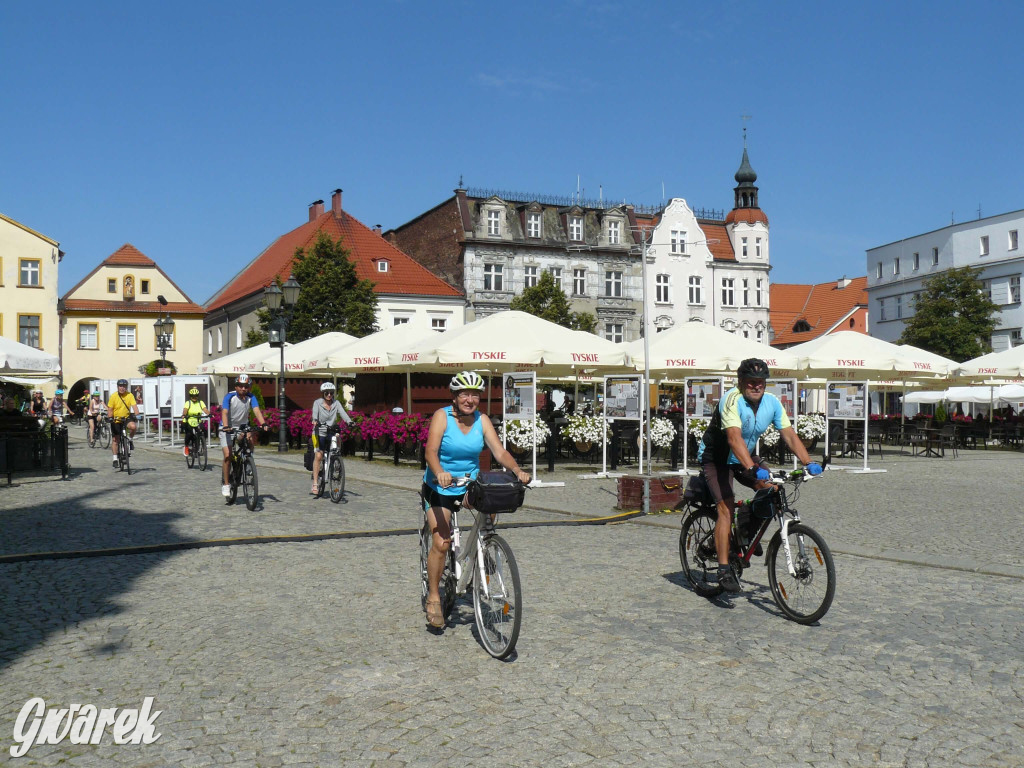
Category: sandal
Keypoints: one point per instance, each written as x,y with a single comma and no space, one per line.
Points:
434,616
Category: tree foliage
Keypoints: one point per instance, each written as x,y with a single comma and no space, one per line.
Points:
546,300
953,317
332,298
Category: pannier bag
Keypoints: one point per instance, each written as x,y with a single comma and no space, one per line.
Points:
697,491
494,492
307,460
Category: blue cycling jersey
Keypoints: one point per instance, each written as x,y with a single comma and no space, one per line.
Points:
735,411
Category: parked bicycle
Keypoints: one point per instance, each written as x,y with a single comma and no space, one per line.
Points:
801,574
195,446
484,561
243,467
124,451
332,468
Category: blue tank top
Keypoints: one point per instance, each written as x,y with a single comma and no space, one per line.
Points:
459,453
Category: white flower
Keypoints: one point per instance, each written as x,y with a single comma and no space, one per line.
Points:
771,436
810,426
697,427
585,429
523,433
663,432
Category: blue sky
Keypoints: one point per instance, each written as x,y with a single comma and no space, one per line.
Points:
199,132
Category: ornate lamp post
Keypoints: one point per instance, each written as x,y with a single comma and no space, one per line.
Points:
164,327
280,301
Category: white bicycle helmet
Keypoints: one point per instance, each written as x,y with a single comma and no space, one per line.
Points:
466,380
243,378
327,387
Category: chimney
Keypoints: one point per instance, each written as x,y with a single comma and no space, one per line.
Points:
843,282
315,209
377,228
336,203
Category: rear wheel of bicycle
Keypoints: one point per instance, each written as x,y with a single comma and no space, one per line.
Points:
697,552
249,482
190,457
202,458
104,436
807,596
497,598
336,477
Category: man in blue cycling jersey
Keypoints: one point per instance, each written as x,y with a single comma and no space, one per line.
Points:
727,451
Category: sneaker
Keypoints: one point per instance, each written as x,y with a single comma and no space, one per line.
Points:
131,446
115,462
727,581
225,490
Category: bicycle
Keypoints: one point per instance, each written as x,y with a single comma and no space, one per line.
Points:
195,446
243,468
123,449
332,467
801,573
100,433
485,562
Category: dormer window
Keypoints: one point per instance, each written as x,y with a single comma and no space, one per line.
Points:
383,265
801,326
493,222
533,225
614,232
576,228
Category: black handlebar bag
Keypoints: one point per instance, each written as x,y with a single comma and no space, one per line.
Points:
496,492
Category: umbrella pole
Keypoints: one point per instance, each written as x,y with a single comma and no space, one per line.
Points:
408,392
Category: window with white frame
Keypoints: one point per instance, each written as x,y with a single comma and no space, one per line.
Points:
986,289
401,320
661,292
613,331
531,275
1016,339
728,292
493,222
935,256
746,292
613,283
383,265
696,290
983,244
439,324
238,335
917,261
493,277
220,340
126,337
576,228
743,246
29,273
579,282
88,336
1011,243
533,225
757,253
614,232
760,336
678,241
896,265
556,276
878,270
209,342
899,307
881,310
1015,289
757,292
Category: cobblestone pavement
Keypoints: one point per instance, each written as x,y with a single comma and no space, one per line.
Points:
315,653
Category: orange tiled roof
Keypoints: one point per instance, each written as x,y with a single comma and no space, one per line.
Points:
747,216
821,306
366,248
128,256
135,307
721,250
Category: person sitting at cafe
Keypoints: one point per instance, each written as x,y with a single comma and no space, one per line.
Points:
12,419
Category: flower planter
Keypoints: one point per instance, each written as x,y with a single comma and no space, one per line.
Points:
584,446
809,442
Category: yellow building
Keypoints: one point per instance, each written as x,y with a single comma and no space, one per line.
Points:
107,322
28,288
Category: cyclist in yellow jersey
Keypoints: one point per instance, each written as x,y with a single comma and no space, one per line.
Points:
194,408
122,406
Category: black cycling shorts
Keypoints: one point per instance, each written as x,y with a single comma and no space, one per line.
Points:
435,499
719,478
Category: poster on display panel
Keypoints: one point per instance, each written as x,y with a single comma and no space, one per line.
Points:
785,391
702,397
846,401
519,396
180,387
149,392
622,397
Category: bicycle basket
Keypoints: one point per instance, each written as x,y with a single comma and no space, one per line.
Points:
494,492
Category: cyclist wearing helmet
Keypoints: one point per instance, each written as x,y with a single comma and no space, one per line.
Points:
122,406
93,413
726,450
234,411
56,408
194,408
326,411
457,435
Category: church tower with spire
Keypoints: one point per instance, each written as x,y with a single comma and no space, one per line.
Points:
746,223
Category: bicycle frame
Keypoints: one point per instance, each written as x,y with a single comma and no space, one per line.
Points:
784,515
483,526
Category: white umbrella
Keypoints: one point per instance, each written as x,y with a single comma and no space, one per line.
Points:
236,362
295,355
1008,364
694,348
370,353
851,356
1008,393
21,358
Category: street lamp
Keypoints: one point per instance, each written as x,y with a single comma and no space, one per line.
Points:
280,301
164,327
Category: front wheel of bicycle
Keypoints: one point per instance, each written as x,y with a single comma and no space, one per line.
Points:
806,596
190,457
424,553
697,552
497,598
123,455
202,457
249,482
336,477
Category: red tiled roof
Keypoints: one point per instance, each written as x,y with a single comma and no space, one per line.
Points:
821,306
721,250
747,216
135,307
366,247
128,256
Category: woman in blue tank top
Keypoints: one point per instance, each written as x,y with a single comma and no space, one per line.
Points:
458,433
